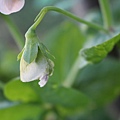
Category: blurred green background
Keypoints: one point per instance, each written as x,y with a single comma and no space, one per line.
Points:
95,92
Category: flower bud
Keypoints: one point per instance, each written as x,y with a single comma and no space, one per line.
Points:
34,63
41,68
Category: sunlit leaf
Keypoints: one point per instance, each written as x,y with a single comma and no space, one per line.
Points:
16,90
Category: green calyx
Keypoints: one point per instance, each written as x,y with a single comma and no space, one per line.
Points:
32,45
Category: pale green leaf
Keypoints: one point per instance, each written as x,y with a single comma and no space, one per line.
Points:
16,90
99,52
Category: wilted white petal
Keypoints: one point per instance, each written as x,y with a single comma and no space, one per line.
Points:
43,80
10,6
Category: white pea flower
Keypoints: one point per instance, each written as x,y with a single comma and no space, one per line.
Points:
10,6
41,68
34,60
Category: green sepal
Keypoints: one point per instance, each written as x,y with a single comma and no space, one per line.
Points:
45,51
31,47
30,52
97,53
20,54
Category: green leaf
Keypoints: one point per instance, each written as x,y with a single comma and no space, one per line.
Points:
66,97
101,81
21,112
97,53
16,90
31,49
95,114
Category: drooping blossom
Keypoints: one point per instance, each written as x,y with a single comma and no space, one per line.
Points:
34,61
41,68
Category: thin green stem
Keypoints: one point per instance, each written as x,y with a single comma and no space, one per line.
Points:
106,13
50,8
14,31
79,64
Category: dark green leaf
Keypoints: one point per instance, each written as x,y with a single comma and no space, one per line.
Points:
101,81
66,97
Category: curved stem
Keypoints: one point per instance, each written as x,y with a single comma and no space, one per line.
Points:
106,13
79,64
50,8
14,31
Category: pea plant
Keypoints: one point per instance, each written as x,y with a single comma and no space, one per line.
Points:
72,74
